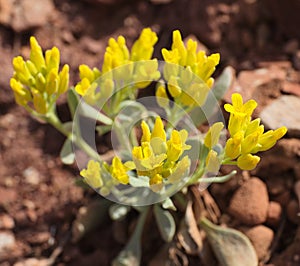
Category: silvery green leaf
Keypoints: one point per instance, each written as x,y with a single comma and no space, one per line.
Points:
73,100
168,204
231,247
131,254
66,154
141,181
165,222
90,112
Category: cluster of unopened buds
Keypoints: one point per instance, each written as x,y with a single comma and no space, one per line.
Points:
160,149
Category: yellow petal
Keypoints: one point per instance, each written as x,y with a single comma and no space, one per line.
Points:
36,54
233,146
158,130
247,161
161,96
92,175
212,162
146,132
212,136
64,77
173,87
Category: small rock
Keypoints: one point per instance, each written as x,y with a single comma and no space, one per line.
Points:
281,112
32,215
250,202
32,176
250,83
6,8
7,241
261,238
33,262
292,211
283,64
291,88
39,238
6,222
274,214
23,15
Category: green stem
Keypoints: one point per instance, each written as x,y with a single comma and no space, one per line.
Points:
218,179
228,161
52,119
196,176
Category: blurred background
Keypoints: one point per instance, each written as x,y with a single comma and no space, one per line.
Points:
39,201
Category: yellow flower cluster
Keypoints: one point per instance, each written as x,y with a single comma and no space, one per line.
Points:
247,136
187,72
38,79
97,176
121,67
157,158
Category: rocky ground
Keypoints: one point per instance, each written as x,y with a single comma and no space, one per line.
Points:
38,198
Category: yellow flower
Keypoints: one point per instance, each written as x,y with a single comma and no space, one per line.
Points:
38,80
158,130
92,175
158,157
267,140
142,49
176,144
233,145
190,83
22,95
180,170
88,84
123,70
239,107
145,73
203,66
119,171
247,161
247,137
